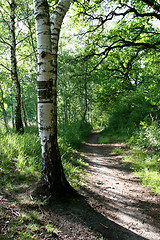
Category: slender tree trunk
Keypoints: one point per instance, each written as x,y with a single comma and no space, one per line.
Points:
52,171
65,118
12,111
3,109
85,95
24,114
14,75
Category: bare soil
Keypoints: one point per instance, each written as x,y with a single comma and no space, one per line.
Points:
113,203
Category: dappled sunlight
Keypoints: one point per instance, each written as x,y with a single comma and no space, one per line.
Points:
117,192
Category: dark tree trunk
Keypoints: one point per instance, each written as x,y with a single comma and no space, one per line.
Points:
12,112
14,75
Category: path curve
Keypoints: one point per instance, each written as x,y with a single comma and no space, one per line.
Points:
131,210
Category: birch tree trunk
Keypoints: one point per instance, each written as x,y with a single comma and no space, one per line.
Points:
56,23
14,75
52,171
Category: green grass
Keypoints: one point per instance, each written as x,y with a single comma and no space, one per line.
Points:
20,156
145,156
104,140
110,136
147,167
20,167
27,226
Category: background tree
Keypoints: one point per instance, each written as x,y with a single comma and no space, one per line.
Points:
14,74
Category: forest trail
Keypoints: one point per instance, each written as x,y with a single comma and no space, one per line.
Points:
112,205
131,211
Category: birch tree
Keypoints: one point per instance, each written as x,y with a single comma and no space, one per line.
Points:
52,171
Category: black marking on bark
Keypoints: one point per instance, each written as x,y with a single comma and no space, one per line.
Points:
51,101
45,84
43,54
40,63
44,94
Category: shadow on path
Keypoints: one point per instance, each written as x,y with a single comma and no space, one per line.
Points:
128,209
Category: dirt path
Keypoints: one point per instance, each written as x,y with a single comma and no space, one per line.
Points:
113,204
131,211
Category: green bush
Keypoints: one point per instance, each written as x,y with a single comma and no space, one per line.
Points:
148,136
127,113
145,154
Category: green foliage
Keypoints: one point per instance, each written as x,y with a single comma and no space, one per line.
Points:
127,113
145,155
148,137
74,134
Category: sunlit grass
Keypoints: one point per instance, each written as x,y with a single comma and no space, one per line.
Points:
104,140
23,154
118,151
28,225
146,167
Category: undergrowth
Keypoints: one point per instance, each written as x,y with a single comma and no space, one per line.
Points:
145,155
23,153
110,135
20,167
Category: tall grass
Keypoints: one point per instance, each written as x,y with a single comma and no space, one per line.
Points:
20,167
22,150
20,155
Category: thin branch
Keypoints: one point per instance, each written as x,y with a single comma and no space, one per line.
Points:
5,67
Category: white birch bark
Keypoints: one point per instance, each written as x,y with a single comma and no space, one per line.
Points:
56,23
52,171
44,79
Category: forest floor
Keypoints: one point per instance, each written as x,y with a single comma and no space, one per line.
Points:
113,204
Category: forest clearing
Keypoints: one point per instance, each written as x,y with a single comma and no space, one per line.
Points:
67,68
